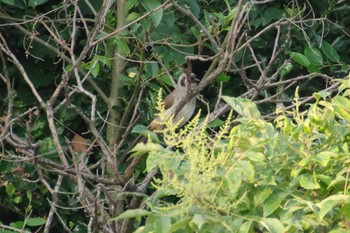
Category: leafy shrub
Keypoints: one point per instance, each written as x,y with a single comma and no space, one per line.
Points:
257,176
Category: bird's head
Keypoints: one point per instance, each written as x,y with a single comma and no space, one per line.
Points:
188,82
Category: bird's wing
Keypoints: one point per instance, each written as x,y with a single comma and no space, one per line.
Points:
169,101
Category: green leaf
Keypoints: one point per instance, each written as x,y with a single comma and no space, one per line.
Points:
144,131
286,70
122,46
300,58
10,189
132,214
95,70
132,16
261,196
194,7
330,52
314,55
342,107
34,3
271,14
341,101
216,123
324,157
345,210
198,220
340,230
308,181
154,159
272,203
321,94
243,107
162,224
33,222
273,225
142,148
245,227
180,224
157,15
247,170
222,77
328,204
232,181
9,2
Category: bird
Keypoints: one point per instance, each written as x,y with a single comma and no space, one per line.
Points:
185,84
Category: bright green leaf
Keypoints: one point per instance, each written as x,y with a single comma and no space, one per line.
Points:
324,157
154,159
272,203
245,227
243,107
222,77
261,196
247,169
142,148
273,225
180,224
328,204
162,224
198,220
308,181
132,214
232,181
339,230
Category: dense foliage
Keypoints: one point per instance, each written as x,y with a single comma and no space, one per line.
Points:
79,83
290,176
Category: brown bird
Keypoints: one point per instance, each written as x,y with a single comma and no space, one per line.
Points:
185,84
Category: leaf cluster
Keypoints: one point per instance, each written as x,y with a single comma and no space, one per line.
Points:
286,176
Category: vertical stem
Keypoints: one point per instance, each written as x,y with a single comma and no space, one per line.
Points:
115,109
115,105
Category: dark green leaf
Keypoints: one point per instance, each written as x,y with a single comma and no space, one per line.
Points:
330,52
34,3
300,58
157,15
314,55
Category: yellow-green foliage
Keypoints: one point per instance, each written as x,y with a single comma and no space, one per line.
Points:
287,176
